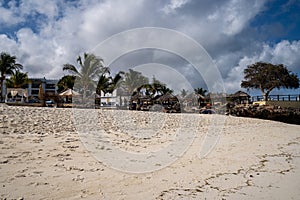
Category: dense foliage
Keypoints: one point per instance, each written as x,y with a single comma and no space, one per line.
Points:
17,80
266,77
90,67
8,66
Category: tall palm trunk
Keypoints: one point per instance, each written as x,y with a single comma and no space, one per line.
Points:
1,88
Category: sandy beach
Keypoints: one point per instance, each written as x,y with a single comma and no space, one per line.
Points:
45,154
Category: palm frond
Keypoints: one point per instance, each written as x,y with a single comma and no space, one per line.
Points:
79,60
71,68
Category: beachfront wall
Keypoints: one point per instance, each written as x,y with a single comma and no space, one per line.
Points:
294,97
285,104
285,101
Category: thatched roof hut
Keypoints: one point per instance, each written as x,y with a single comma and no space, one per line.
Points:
145,102
239,97
167,98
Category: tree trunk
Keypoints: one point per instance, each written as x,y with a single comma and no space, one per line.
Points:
1,91
44,101
263,94
1,88
267,95
84,94
265,98
121,101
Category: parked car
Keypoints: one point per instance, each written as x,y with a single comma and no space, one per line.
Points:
50,103
33,101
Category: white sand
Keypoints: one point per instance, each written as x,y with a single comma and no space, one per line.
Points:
43,157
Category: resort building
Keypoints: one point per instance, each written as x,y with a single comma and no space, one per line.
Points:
109,100
32,89
49,86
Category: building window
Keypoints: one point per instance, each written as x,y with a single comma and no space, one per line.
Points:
50,86
35,85
34,92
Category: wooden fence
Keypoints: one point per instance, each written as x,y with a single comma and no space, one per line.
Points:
277,98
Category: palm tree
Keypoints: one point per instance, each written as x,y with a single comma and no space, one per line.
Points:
108,84
17,80
133,80
160,87
7,67
200,91
66,82
116,81
90,67
165,90
146,89
184,92
103,84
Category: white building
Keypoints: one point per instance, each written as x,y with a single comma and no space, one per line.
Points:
32,88
109,99
49,86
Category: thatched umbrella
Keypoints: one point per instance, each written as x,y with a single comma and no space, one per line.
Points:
41,95
69,92
170,102
240,97
168,98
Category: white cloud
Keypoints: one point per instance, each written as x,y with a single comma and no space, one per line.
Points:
173,5
235,76
47,8
235,15
15,14
69,29
9,16
9,44
285,52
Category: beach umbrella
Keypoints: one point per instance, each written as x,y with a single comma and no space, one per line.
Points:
41,92
14,93
69,92
41,95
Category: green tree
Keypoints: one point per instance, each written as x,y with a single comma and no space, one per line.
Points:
66,82
156,81
115,82
90,67
200,91
103,84
108,84
133,80
17,80
154,89
161,88
8,66
164,90
266,77
183,92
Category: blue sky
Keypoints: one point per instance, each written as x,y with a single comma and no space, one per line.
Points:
44,35
280,21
